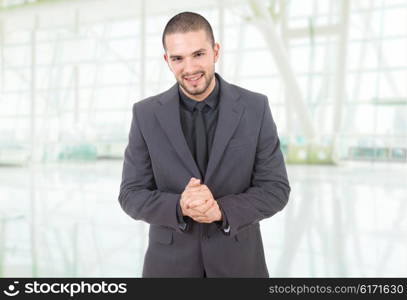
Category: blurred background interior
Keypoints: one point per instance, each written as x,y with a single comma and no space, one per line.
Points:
335,73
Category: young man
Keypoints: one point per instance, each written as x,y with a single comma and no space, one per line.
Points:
203,165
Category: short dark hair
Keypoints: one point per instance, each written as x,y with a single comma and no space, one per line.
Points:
187,22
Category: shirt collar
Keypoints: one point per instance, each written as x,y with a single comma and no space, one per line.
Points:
212,99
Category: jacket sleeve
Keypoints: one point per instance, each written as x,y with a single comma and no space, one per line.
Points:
269,189
139,196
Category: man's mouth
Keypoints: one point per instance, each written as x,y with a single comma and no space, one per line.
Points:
193,79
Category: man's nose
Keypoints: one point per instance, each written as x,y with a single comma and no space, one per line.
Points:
189,66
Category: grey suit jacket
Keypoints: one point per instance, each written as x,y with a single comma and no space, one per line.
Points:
246,175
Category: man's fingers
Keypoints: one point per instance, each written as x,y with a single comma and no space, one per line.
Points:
193,182
199,187
200,199
195,188
197,202
196,193
204,207
191,197
195,214
202,220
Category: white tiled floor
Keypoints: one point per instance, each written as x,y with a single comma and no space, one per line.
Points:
65,220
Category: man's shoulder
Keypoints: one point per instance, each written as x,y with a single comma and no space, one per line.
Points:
248,93
148,104
250,98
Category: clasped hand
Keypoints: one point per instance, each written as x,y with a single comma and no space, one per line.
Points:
197,202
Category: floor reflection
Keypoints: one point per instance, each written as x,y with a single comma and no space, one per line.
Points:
65,221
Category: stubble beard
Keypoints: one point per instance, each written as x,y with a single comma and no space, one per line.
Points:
195,92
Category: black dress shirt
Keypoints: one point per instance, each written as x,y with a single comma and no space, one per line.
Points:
210,114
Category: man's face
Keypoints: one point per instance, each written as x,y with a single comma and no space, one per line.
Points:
191,57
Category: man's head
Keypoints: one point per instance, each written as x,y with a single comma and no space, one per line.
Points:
191,53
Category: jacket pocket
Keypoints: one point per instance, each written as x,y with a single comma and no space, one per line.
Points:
160,234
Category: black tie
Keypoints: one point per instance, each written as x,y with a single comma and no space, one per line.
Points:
201,145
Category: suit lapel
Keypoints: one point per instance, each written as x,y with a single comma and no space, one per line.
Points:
230,112
168,115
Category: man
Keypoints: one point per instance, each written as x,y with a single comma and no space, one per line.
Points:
203,165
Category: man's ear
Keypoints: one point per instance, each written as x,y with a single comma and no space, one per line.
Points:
167,61
216,50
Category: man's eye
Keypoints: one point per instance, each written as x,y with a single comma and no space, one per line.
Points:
176,59
200,54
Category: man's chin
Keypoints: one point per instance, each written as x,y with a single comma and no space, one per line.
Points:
195,92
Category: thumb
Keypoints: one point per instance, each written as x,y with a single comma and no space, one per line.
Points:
193,182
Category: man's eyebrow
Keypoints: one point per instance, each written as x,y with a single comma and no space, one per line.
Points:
193,53
200,50
175,56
